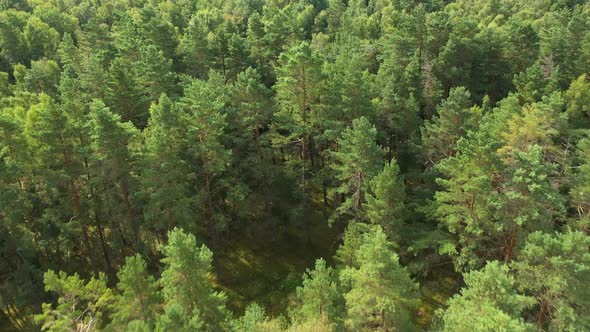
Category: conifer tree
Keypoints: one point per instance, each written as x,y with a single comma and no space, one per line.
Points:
578,101
386,201
202,104
190,302
138,301
528,201
50,134
166,169
352,238
381,293
192,49
252,321
487,302
81,304
532,84
319,296
357,160
462,207
454,118
261,54
580,192
554,269
111,140
298,94
252,109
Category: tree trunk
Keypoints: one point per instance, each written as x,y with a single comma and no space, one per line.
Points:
211,233
541,314
86,237
359,192
510,244
257,143
105,249
130,212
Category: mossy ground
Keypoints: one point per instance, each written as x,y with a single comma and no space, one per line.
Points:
266,270
260,269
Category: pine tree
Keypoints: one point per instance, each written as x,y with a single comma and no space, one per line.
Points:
156,28
111,142
42,77
190,303
580,192
19,287
166,169
298,92
252,108
348,90
81,305
126,94
202,104
399,76
192,49
260,53
499,186
154,73
462,206
252,321
554,269
528,201
487,302
578,101
380,293
357,160
57,154
386,201
536,125
319,296
454,119
532,84
138,301
352,239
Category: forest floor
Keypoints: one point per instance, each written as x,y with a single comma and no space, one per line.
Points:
267,271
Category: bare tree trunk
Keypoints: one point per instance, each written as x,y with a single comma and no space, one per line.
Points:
86,238
510,244
211,233
130,212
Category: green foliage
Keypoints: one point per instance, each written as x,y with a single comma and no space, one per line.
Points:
386,201
351,240
579,195
380,292
532,84
25,37
498,194
80,304
463,204
454,119
166,171
111,141
190,303
554,269
139,301
253,320
488,302
357,161
298,90
452,131
318,297
202,104
578,99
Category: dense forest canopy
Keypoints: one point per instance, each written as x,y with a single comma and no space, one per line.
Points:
294,165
